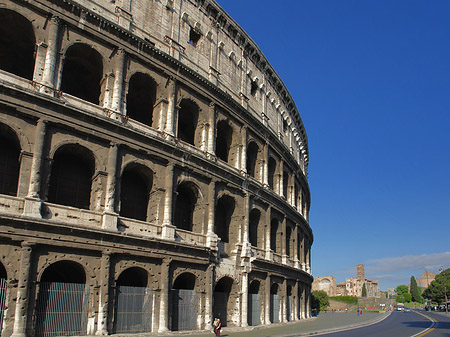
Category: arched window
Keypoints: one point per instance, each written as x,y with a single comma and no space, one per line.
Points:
252,156
285,184
71,175
274,235
288,240
187,121
135,186
223,140
186,199
224,211
17,43
141,98
271,174
82,72
9,161
255,216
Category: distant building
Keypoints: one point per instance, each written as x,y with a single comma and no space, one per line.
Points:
325,283
426,279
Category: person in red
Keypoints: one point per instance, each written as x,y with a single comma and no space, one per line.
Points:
217,326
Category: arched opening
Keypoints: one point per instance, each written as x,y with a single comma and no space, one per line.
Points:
254,304
288,240
186,199
252,157
255,216
224,211
296,197
221,298
223,140
184,303
285,184
274,235
82,72
17,43
133,302
274,304
135,186
271,173
3,287
71,175
187,121
9,161
141,98
62,302
289,303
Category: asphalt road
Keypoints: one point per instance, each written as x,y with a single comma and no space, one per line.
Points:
403,324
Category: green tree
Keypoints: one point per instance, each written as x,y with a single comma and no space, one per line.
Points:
435,291
319,300
414,290
364,290
403,294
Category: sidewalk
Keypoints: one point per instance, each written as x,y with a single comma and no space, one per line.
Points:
330,321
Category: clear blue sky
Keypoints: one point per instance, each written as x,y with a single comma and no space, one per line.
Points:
371,80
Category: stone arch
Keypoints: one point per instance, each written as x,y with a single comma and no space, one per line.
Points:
253,162
141,98
10,150
288,241
82,72
62,296
17,41
289,303
71,175
274,303
188,114
255,233
133,301
254,303
274,235
187,196
224,211
135,186
184,302
285,183
221,301
224,138
272,167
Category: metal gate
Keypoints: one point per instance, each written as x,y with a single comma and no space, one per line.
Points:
184,309
133,311
2,301
254,309
62,309
221,307
288,307
274,308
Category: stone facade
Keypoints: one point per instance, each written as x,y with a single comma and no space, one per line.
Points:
149,150
325,283
426,279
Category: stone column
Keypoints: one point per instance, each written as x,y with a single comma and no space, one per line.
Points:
103,301
211,129
284,242
295,303
51,56
280,179
119,76
244,307
32,200
295,247
267,304
21,311
266,165
209,297
164,303
269,252
109,216
168,230
172,97
211,237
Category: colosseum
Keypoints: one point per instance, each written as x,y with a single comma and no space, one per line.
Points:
153,172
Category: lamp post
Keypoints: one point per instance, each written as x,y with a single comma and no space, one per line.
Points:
445,289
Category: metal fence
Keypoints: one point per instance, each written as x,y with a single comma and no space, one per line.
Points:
2,301
254,309
184,309
133,312
62,309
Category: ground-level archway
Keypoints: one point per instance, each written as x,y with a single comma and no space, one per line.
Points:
221,297
274,304
184,303
133,302
254,304
3,278
62,301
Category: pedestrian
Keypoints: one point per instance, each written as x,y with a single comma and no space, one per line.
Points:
217,326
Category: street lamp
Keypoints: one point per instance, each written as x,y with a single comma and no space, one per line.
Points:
445,289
